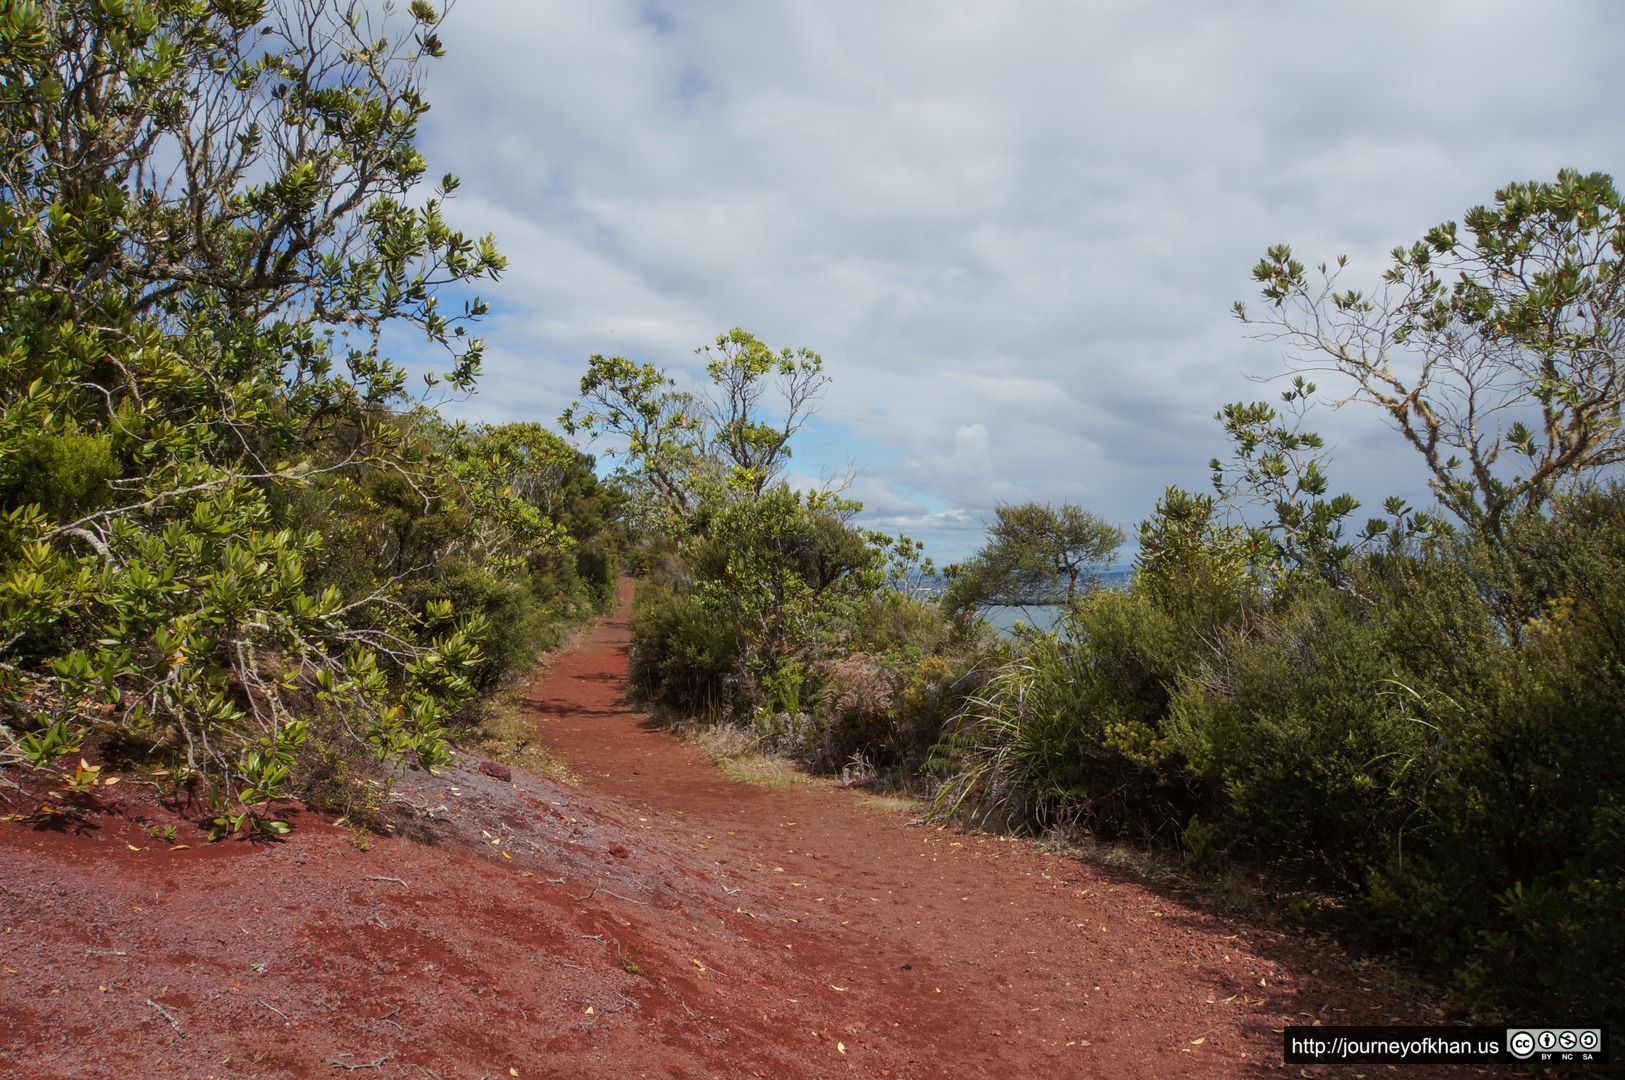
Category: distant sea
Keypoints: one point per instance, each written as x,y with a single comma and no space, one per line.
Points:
1045,616
1004,619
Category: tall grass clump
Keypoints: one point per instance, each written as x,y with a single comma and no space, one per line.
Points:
1056,738
1013,747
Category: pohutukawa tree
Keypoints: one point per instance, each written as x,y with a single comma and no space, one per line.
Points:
1495,349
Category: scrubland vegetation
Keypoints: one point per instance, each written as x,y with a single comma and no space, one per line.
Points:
234,548
1411,730
238,554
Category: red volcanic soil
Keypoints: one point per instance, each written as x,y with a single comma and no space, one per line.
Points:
660,920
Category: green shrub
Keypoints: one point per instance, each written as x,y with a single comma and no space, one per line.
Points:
1561,952
685,654
1050,741
516,627
1295,720
596,569
1203,851
931,694
1440,742
1521,879
893,624
877,684
65,472
1436,739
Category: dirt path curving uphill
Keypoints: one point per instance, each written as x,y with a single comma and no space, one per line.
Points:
960,954
659,920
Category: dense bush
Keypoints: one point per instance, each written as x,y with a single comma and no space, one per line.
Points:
204,243
1434,740
513,623
231,540
596,568
686,654
1525,830
847,707
1070,732
881,690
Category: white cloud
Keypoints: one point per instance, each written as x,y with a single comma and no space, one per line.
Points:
1026,220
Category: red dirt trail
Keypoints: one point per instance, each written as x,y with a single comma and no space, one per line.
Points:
660,920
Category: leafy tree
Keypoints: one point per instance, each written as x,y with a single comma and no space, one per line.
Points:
203,237
739,366
1496,354
761,571
534,464
1280,466
1186,546
683,448
664,458
1035,554
778,565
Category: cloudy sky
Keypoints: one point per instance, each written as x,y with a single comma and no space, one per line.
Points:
1013,229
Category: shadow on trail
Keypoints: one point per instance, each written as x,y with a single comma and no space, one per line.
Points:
600,677
562,708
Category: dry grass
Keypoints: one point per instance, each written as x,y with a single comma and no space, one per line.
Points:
762,770
737,752
896,802
503,733
721,742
